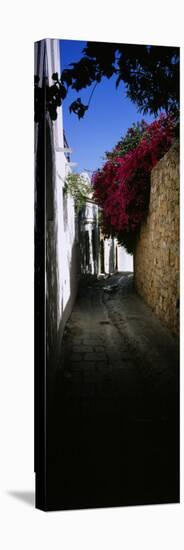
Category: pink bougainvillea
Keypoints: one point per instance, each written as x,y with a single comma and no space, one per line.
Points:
122,185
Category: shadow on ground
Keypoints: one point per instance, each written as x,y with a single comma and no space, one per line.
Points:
113,431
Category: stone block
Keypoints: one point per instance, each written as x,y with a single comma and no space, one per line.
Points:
94,356
75,357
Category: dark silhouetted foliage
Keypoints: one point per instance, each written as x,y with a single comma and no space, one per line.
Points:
150,74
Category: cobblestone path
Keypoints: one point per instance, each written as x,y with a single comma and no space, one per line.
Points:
114,422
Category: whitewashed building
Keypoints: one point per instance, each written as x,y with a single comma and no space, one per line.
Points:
89,234
61,265
99,255
114,257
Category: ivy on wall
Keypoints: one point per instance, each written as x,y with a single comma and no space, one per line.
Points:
77,186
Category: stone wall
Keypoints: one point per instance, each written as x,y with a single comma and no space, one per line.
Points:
156,260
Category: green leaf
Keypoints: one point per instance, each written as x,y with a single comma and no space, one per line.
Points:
55,76
63,91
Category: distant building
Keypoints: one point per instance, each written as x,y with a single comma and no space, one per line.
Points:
89,234
98,254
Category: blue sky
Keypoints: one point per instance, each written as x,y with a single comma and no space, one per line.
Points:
109,116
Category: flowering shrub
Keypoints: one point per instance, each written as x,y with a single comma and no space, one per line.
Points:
122,185
129,141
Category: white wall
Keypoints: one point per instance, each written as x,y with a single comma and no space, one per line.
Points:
125,260
66,244
61,246
89,254
109,255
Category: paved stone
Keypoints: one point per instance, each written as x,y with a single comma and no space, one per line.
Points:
99,349
94,356
82,347
76,340
91,341
88,365
114,421
76,357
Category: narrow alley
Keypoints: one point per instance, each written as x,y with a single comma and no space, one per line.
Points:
113,435
107,285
